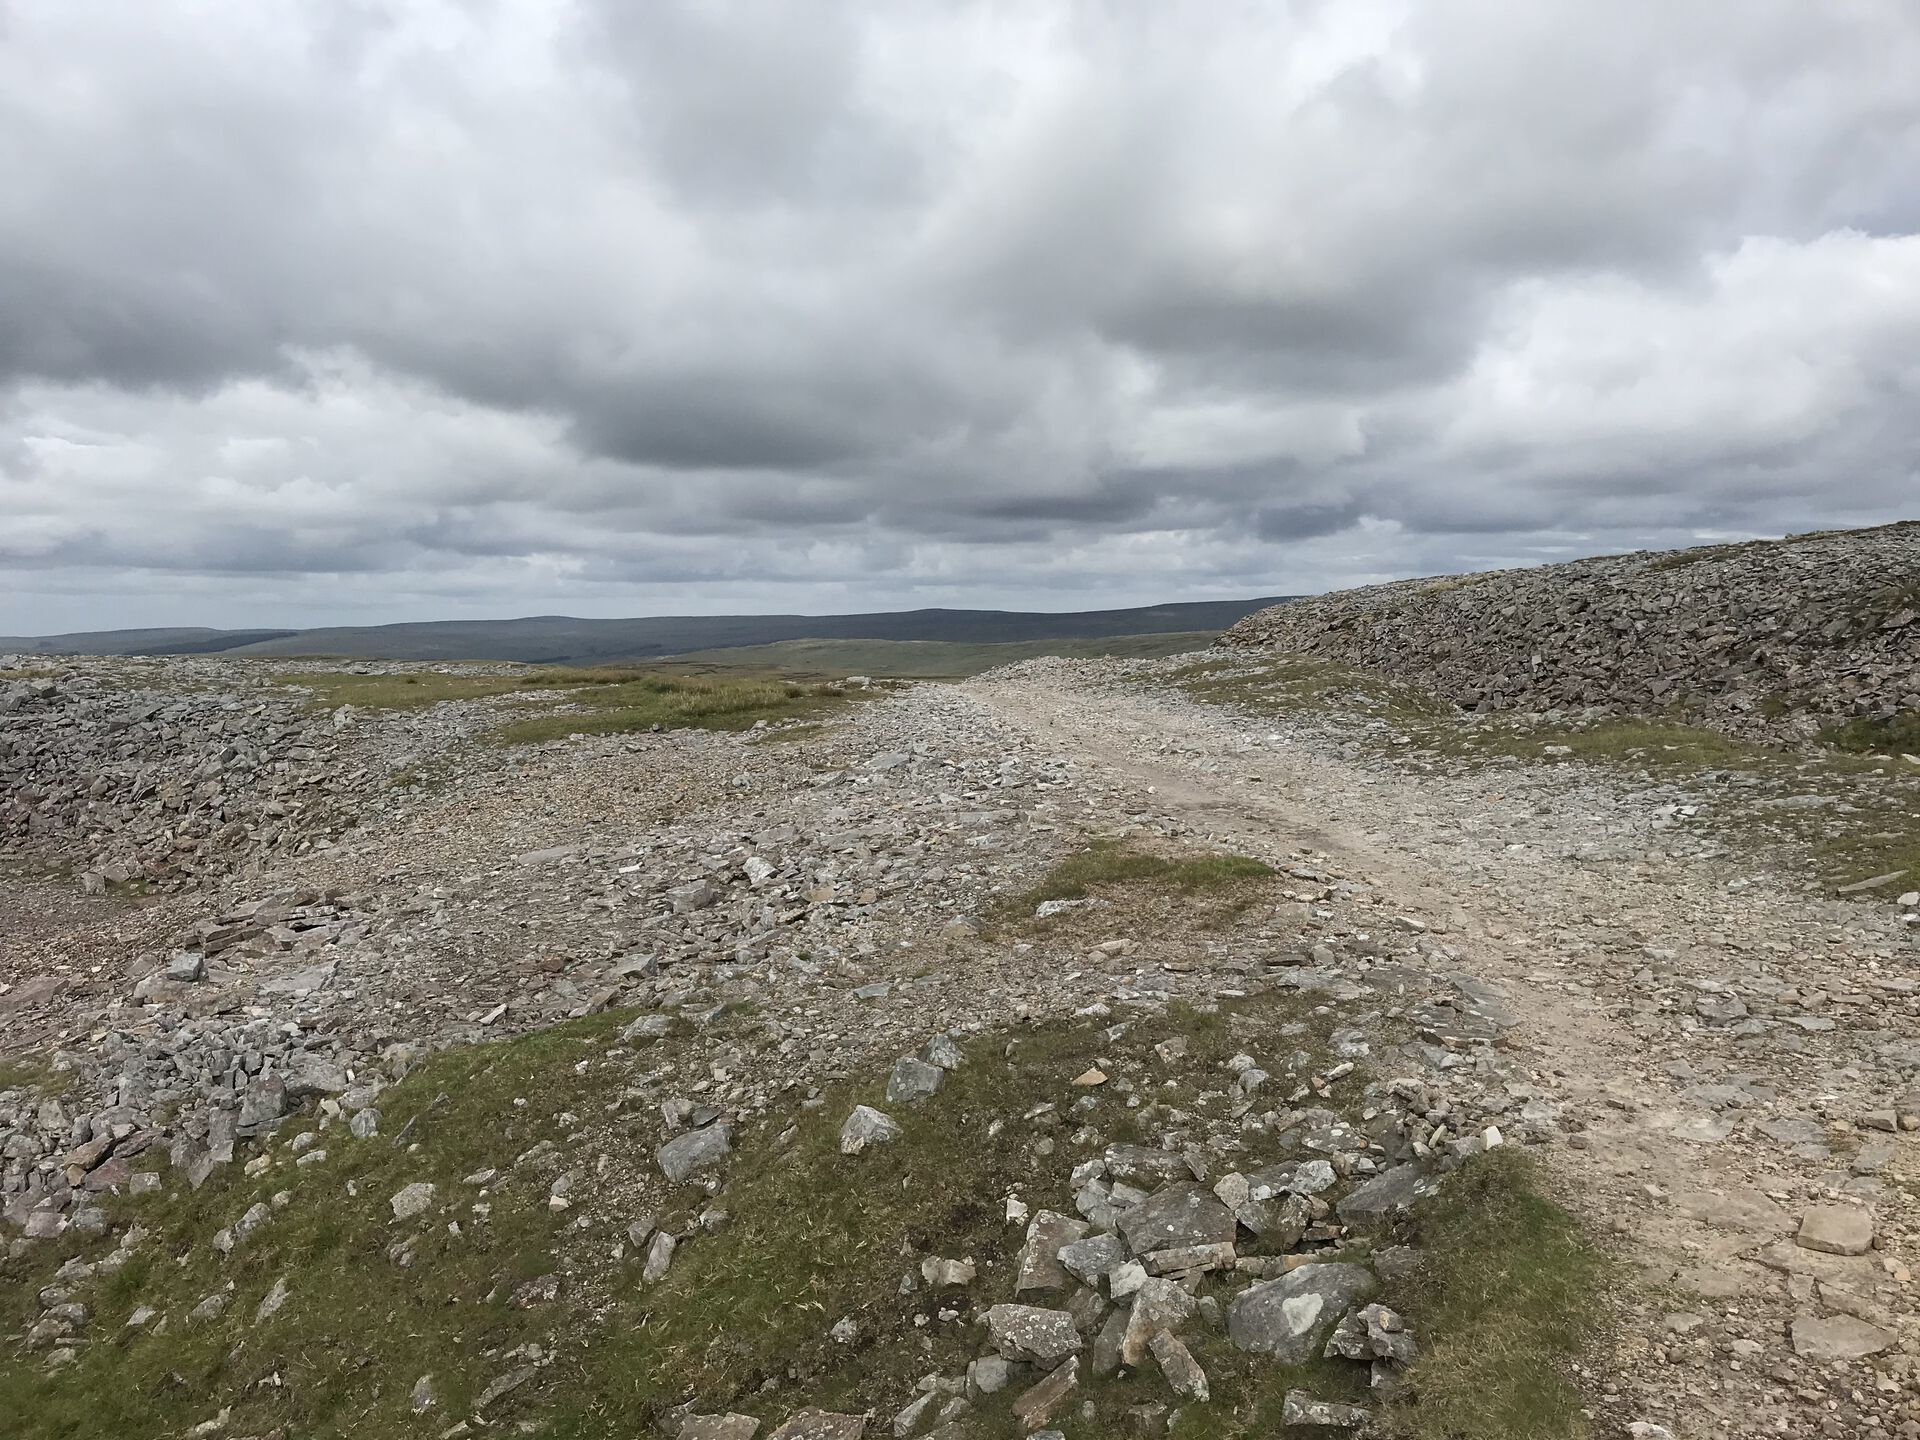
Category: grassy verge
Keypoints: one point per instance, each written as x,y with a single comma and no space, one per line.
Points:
24,1072
676,702
744,1319
561,701
1899,732
1109,870
927,659
1289,684
1510,1292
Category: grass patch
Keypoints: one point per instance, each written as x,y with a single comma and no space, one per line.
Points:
340,1358
1106,867
1653,745
1510,1293
606,700
1898,733
743,1319
815,1236
930,659
24,1072
676,702
1289,684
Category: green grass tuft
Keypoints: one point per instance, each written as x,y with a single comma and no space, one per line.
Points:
1510,1293
560,701
1877,735
1106,865
24,1072
676,702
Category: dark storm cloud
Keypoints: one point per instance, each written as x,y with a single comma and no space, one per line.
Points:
589,306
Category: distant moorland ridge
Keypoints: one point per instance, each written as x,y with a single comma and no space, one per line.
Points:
562,639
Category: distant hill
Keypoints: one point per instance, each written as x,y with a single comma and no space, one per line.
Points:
930,659
168,641
562,639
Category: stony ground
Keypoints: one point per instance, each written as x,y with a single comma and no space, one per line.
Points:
587,1045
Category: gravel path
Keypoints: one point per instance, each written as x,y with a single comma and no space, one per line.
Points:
1723,1061
1730,1053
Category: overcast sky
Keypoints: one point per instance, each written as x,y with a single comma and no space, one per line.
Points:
318,311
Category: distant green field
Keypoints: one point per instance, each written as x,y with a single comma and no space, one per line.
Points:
924,659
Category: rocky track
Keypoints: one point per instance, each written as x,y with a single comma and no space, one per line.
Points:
1735,1057
1718,1065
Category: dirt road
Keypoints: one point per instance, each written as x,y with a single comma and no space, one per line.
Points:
1726,1055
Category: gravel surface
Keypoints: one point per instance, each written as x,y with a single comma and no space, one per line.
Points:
1719,1061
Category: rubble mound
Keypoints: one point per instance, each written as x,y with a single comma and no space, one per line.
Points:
1768,636
163,786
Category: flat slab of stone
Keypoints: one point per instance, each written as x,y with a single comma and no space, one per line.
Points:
1175,1216
1836,1230
1094,1257
821,1425
1141,1165
1838,1337
1035,1406
1290,1318
1157,1305
1026,1332
1297,1407
1740,1208
697,1150
718,1427
1389,1193
1040,1268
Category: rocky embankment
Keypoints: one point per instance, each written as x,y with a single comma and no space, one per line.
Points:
162,785
1769,636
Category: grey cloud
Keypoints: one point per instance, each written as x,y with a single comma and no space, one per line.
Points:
564,304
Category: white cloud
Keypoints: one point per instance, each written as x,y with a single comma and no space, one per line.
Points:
619,308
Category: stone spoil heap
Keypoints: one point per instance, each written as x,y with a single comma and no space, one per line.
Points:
161,786
1776,636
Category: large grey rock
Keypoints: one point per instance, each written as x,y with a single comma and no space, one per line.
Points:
1291,1318
718,1427
1297,1407
1177,1215
1836,1229
1389,1193
411,1200
1838,1337
659,1258
1157,1305
314,1075
1178,1367
821,1425
1026,1332
913,1080
867,1126
1040,1268
1035,1406
187,967
687,1155
1090,1259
